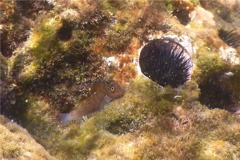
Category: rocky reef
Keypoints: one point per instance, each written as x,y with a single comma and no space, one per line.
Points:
17,143
54,52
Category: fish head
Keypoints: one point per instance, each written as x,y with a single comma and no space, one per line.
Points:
114,90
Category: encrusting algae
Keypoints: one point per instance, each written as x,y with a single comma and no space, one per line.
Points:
69,55
20,145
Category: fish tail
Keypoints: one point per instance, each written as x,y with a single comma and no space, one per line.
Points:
65,117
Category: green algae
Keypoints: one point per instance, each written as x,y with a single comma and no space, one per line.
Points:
217,89
96,129
209,64
107,6
217,149
151,121
195,2
37,50
42,38
36,115
44,60
44,52
119,112
169,5
16,143
143,101
11,151
3,68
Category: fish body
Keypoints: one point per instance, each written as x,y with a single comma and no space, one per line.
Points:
101,94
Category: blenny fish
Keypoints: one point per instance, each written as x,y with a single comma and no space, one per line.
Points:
102,93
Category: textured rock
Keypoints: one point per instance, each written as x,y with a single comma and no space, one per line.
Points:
17,143
58,53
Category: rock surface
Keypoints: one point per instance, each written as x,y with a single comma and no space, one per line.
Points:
67,46
17,143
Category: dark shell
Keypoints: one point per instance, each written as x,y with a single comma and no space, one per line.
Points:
231,38
165,62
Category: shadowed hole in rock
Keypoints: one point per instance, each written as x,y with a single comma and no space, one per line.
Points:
183,16
214,94
123,126
182,10
6,48
65,32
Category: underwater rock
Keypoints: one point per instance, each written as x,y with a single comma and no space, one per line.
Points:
227,10
165,62
3,68
17,143
182,10
16,23
76,43
217,81
148,121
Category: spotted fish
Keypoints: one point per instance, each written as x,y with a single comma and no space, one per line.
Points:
101,94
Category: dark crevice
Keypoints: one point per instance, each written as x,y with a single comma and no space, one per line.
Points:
183,16
214,94
65,32
123,125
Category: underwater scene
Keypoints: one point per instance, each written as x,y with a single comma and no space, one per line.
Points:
120,80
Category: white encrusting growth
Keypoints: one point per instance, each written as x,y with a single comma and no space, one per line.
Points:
139,72
230,55
111,61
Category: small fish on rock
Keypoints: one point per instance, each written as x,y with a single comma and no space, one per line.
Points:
101,94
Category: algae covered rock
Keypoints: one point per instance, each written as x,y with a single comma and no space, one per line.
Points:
17,143
68,46
151,122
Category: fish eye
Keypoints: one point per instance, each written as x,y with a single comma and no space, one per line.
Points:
112,89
